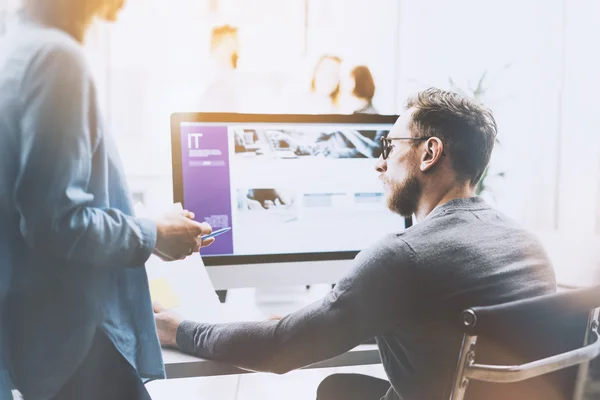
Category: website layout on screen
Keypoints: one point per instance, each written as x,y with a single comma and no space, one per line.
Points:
286,188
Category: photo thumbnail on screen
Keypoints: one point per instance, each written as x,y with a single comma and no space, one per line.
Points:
337,142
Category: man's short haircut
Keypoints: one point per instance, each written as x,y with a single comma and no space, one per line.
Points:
364,84
467,129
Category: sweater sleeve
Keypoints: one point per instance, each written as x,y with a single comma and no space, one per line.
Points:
366,302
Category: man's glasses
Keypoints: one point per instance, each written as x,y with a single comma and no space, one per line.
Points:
386,144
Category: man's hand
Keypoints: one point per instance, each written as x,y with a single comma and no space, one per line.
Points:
167,323
179,236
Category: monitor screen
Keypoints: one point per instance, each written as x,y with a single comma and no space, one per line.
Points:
295,188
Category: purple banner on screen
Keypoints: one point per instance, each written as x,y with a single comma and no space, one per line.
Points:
206,186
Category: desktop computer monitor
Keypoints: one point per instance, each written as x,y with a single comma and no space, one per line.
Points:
292,188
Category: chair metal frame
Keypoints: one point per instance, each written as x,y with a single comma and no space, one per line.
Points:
468,370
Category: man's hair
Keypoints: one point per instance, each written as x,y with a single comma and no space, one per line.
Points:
467,129
364,85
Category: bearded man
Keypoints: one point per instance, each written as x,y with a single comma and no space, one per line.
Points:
408,289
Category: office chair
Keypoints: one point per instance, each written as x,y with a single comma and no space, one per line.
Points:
538,348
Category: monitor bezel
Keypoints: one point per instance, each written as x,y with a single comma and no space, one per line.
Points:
223,260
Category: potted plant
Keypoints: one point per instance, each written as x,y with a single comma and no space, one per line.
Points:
478,93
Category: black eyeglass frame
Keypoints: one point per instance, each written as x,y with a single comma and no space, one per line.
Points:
386,145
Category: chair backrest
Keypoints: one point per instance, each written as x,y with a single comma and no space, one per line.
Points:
527,349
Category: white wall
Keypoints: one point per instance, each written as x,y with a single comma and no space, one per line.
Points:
579,190
545,103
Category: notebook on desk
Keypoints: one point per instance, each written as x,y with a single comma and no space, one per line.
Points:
185,287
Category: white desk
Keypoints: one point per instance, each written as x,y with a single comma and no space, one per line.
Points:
277,274
198,299
180,365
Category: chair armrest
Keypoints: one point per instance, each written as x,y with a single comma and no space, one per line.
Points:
516,373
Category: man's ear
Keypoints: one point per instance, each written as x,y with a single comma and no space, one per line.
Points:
432,152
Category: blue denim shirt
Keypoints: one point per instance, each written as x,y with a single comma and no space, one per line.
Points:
67,233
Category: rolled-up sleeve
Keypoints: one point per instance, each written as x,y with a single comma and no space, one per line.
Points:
59,139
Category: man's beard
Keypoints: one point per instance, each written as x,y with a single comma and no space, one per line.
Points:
404,196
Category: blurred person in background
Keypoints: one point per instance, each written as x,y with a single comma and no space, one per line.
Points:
77,319
325,86
359,90
223,92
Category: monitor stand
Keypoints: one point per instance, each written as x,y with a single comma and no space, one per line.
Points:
273,277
